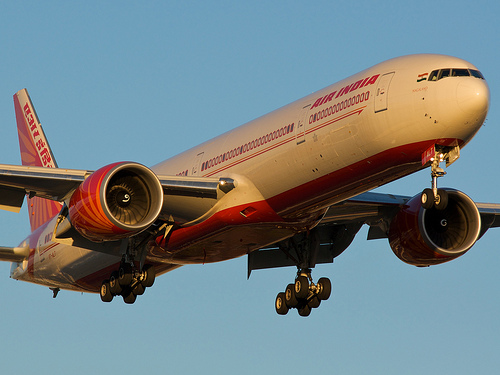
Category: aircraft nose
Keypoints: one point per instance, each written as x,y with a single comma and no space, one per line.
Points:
473,97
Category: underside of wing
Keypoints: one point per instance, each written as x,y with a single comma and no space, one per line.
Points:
50,183
448,233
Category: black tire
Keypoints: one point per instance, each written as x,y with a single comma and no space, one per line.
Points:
325,288
150,276
314,302
115,286
129,297
290,299
301,287
305,311
105,292
138,290
427,199
125,275
281,307
442,201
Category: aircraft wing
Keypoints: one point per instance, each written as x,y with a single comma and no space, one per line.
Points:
341,223
51,183
376,208
58,184
14,254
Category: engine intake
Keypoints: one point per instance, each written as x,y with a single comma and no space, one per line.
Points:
424,237
116,201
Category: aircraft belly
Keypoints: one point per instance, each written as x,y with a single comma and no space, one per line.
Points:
225,244
65,266
313,184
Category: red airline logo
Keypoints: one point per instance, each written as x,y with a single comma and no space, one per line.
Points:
344,90
38,139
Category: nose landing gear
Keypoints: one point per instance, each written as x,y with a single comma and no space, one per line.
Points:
435,197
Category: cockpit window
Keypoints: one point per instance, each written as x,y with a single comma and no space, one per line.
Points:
444,73
476,73
458,72
434,75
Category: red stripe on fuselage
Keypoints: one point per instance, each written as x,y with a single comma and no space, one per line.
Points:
354,179
278,215
295,209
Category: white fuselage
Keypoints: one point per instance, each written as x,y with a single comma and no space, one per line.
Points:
293,163
350,128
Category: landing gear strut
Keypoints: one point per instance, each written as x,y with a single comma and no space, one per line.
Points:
132,277
435,197
303,295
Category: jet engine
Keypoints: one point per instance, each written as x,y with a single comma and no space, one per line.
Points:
116,201
424,237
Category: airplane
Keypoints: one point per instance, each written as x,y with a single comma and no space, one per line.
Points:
291,188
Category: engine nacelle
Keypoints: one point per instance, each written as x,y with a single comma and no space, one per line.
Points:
426,237
116,201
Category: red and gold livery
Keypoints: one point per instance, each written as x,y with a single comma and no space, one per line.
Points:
291,188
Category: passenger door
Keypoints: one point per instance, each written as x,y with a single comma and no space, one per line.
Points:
381,93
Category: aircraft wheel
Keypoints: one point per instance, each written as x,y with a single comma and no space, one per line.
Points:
129,298
114,285
427,199
138,290
105,292
442,201
281,307
301,287
125,274
305,311
291,300
314,302
325,288
150,276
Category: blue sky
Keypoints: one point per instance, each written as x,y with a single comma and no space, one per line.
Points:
143,81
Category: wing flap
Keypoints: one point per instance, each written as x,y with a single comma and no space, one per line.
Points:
11,199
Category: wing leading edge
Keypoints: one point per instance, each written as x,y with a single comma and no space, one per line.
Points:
49,183
58,184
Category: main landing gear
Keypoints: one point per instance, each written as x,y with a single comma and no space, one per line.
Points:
303,295
304,249
127,282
